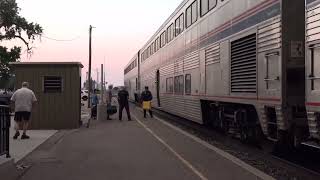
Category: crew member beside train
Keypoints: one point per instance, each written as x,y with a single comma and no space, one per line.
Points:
146,97
123,100
109,99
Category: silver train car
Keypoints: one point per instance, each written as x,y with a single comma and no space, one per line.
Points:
131,80
313,70
239,65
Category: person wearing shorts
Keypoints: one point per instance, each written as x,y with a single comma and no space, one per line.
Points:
23,100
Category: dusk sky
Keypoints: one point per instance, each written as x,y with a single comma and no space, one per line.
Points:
122,27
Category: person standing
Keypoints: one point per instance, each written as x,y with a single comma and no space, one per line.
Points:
146,97
123,97
109,100
94,103
23,100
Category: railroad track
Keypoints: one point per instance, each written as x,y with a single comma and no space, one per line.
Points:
261,157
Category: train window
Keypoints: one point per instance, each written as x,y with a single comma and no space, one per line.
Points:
169,85
188,84
163,39
157,44
204,7
152,48
181,84
192,14
149,51
188,17
144,56
179,24
178,84
170,32
212,4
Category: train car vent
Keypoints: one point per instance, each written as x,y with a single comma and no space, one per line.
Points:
244,65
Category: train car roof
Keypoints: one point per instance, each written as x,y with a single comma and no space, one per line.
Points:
166,22
132,59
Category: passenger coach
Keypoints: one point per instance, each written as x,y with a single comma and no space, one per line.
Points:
235,64
131,77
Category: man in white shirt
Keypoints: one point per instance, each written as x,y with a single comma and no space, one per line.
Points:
23,99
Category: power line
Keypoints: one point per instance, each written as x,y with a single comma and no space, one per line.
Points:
61,40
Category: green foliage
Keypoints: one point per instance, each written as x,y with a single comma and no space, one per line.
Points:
13,26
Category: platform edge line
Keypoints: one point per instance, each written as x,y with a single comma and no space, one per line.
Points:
184,161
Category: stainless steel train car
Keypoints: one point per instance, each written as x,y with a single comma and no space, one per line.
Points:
131,77
235,64
312,70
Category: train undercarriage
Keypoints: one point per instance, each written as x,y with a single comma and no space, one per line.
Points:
242,121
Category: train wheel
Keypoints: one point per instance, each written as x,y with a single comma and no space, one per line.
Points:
244,126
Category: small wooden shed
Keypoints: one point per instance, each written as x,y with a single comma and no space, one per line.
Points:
57,86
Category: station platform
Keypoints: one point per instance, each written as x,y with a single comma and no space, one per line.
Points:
145,148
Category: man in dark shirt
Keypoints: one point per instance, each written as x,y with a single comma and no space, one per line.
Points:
123,97
146,97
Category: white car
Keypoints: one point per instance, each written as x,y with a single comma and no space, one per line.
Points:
84,95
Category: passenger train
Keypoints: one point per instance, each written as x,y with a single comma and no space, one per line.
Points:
244,66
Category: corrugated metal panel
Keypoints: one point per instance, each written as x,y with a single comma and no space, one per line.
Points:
212,54
244,65
269,36
191,61
313,24
182,106
167,70
178,66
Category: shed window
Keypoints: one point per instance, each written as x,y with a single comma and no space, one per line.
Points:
169,85
178,84
188,84
52,84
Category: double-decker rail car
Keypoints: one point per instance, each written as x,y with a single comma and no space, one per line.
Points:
313,70
131,78
235,64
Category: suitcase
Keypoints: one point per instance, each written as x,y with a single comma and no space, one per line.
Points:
111,109
146,105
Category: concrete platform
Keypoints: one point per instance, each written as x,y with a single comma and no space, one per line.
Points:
136,150
20,148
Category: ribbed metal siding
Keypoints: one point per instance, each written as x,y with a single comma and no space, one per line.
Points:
212,54
313,24
191,61
244,65
269,36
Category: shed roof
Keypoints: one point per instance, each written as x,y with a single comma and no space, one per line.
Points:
47,63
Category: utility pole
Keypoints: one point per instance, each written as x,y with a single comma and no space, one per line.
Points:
90,83
102,89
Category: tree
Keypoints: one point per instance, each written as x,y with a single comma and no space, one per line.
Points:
13,26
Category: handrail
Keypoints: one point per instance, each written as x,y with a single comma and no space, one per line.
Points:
4,130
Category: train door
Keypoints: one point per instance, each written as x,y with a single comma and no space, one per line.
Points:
158,86
202,72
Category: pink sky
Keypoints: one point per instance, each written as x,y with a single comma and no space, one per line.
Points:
122,27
